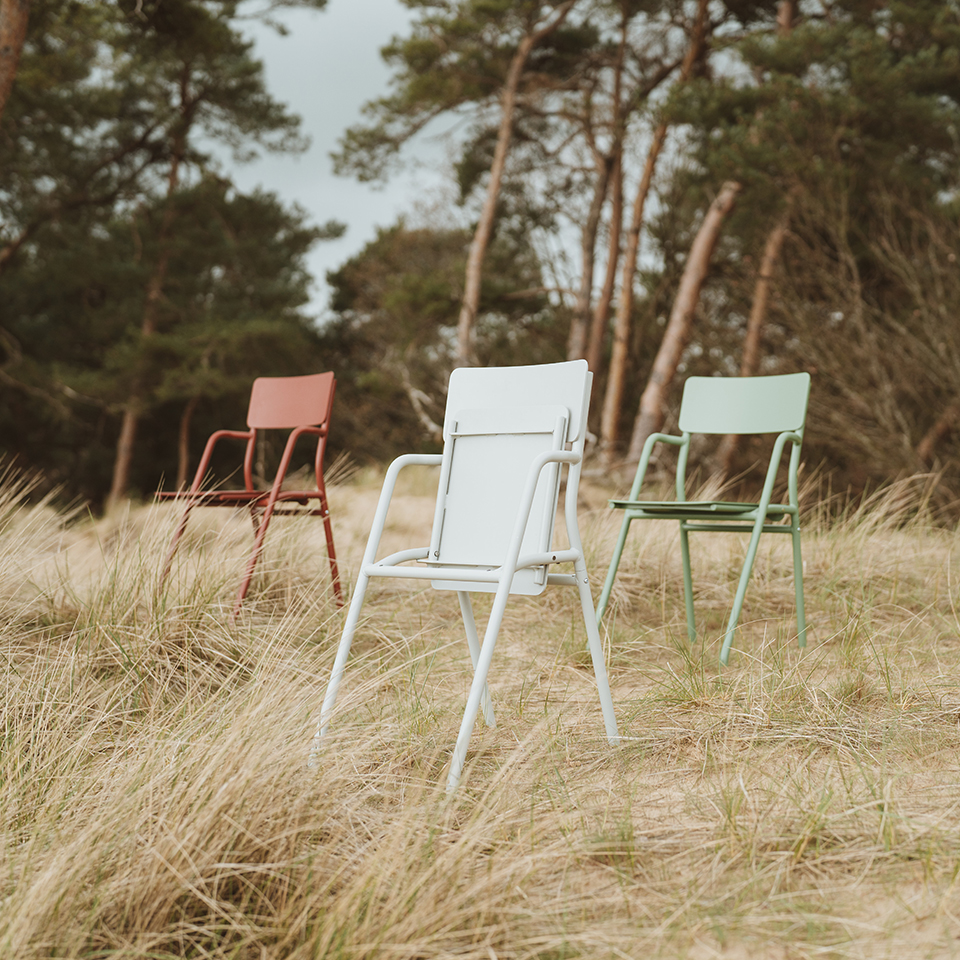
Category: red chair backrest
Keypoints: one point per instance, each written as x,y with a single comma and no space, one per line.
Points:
282,403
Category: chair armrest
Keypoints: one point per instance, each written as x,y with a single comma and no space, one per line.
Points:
386,495
782,440
569,457
288,449
212,441
652,440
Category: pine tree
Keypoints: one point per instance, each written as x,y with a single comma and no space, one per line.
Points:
136,277
485,55
397,304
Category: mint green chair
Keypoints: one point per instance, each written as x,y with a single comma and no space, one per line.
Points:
724,405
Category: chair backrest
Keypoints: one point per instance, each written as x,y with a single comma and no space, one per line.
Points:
498,421
514,387
745,405
282,403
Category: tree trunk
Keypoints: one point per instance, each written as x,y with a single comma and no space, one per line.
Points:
786,14
183,441
577,340
131,412
750,358
601,312
944,425
13,32
650,415
481,236
613,400
611,167
148,325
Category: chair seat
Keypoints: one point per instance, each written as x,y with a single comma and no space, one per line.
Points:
235,498
693,509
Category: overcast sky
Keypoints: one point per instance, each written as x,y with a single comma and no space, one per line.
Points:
325,69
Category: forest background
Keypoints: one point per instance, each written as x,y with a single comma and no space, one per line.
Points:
665,187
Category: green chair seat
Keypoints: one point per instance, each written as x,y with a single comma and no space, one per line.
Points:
681,510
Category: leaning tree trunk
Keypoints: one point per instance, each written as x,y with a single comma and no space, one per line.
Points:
481,236
132,411
611,173
750,358
601,311
650,415
613,399
13,32
148,324
577,340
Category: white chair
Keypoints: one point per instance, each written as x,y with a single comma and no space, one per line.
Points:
507,431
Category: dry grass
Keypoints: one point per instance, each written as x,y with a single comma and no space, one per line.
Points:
156,803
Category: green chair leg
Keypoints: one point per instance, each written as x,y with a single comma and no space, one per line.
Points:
687,582
741,591
798,587
612,571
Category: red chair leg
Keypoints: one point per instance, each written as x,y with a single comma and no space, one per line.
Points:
332,554
254,557
261,532
175,542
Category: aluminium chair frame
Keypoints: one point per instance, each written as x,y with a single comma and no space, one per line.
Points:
764,516
498,578
262,504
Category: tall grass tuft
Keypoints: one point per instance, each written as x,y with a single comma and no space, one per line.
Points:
155,798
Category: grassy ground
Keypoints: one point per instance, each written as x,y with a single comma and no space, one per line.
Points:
155,800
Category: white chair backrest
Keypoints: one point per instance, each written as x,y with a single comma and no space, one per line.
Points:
498,421
541,384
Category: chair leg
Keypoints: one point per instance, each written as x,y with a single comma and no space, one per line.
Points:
612,569
479,682
473,642
741,590
175,542
596,652
687,582
261,532
332,554
798,587
356,601
343,652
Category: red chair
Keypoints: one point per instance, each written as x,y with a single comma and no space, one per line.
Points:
301,405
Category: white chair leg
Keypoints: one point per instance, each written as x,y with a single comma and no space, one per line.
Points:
473,642
591,618
356,602
479,681
336,675
596,653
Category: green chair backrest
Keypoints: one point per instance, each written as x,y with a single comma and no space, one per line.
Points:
745,405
